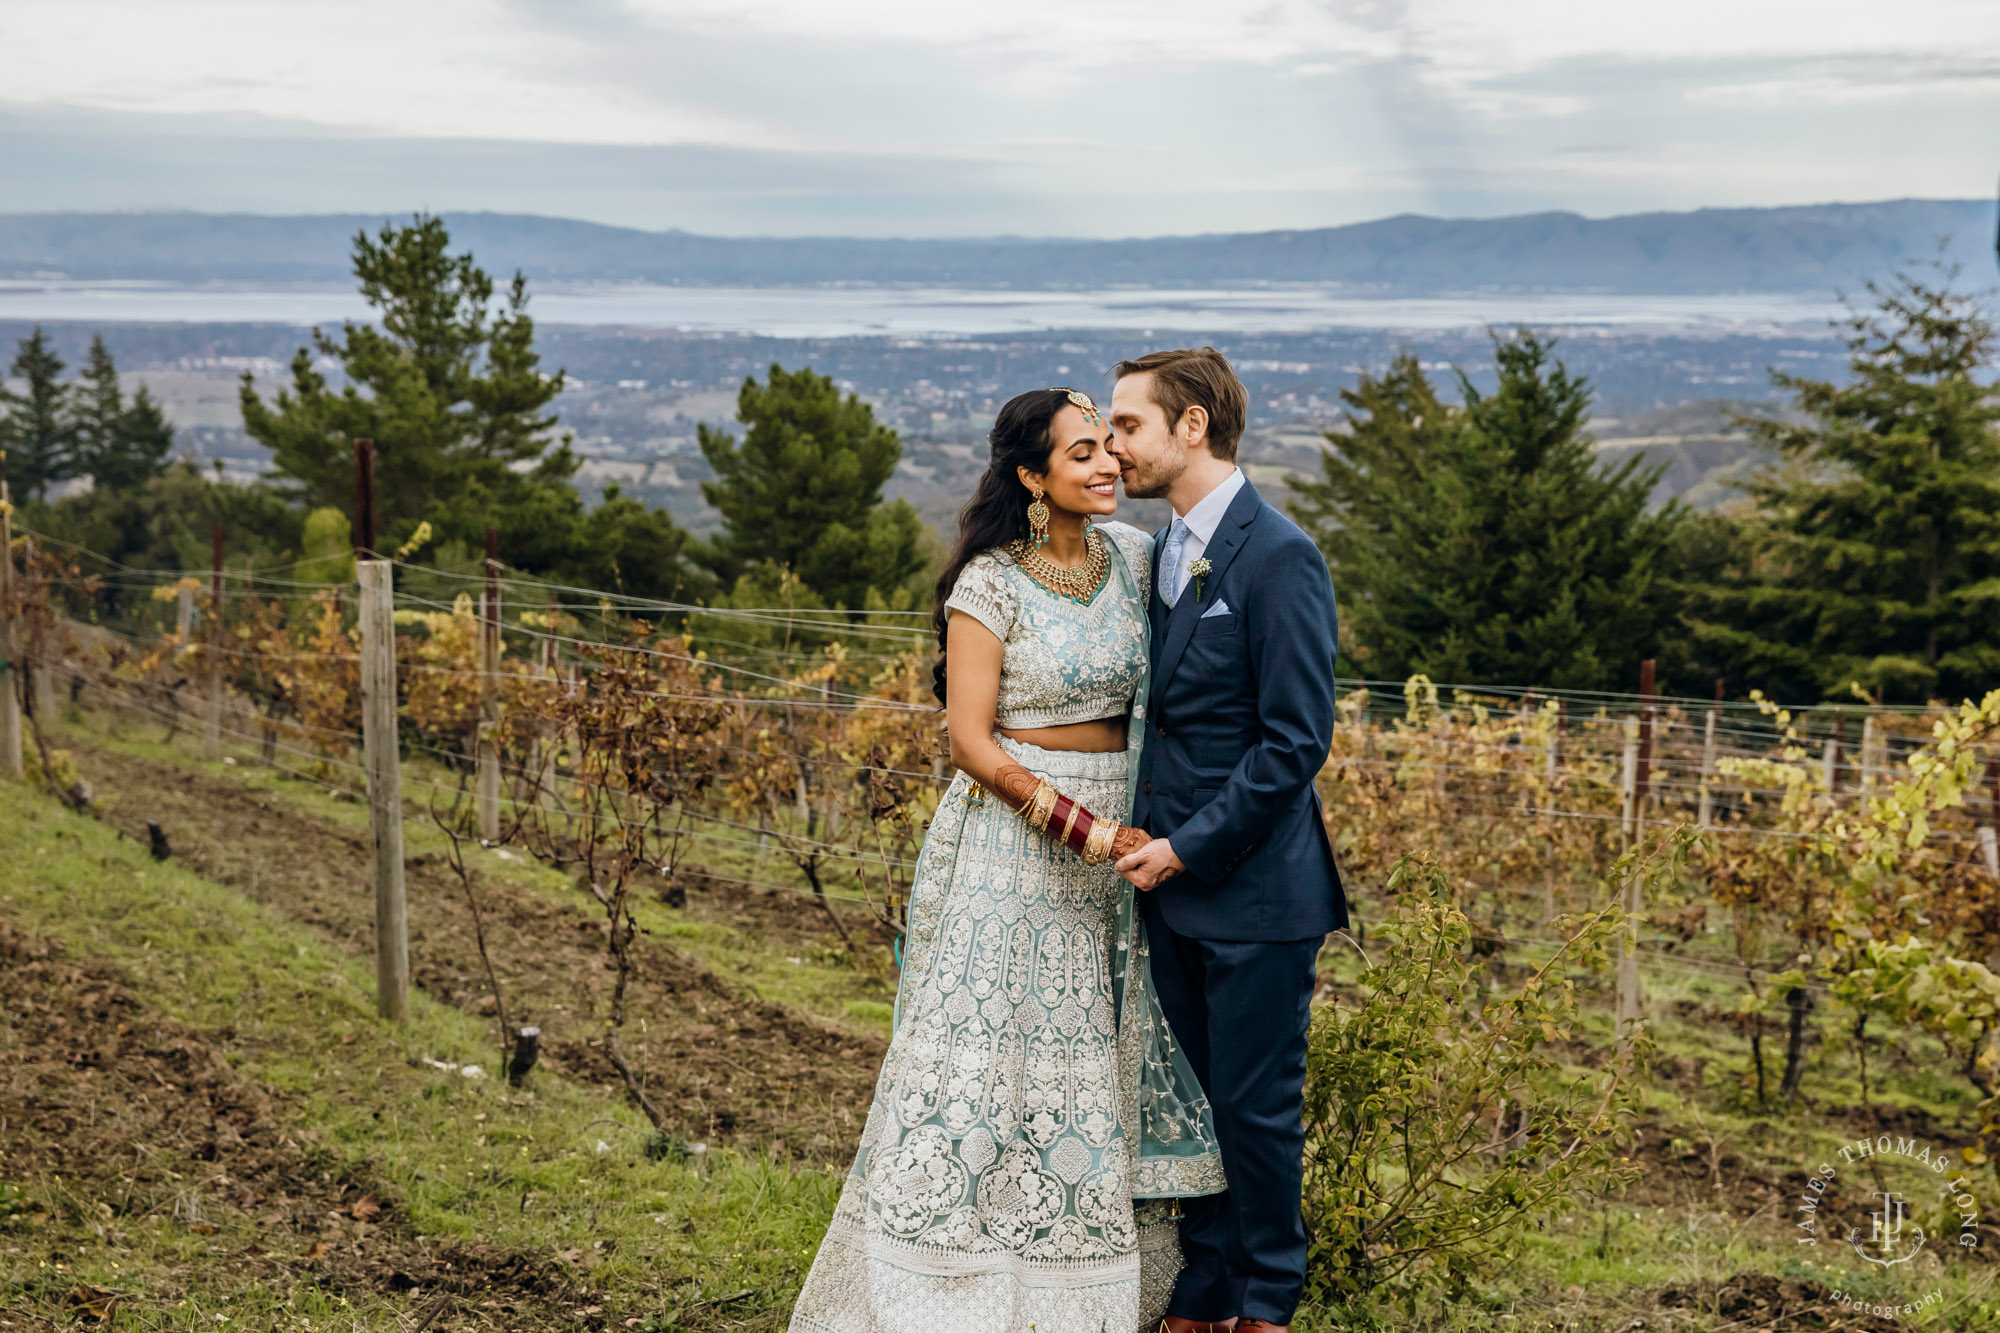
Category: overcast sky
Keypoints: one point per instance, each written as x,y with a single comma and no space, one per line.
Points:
1050,117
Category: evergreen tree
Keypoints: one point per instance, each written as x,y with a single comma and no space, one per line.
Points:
116,446
451,392
144,444
625,547
37,430
164,522
803,489
1483,543
1875,556
97,408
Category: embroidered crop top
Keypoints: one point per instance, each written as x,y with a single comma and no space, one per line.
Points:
1064,661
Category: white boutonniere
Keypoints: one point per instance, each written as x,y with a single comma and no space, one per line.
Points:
1198,570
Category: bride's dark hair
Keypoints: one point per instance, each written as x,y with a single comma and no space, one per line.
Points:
997,513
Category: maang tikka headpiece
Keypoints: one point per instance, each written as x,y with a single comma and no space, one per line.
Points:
1082,401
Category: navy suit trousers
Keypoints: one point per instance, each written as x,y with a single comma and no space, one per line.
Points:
1240,1009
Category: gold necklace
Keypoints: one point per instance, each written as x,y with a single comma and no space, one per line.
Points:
1079,584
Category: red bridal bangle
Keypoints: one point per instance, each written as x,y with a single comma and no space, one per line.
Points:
1071,824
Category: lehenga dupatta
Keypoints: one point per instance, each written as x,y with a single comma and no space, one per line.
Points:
1178,1156
1033,1109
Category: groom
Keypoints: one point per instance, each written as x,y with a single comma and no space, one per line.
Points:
1243,885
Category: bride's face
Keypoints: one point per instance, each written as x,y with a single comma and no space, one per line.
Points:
1083,476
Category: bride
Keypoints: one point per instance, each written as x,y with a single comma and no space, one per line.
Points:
1033,1118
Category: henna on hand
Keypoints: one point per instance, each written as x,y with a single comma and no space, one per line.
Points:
1128,841
1014,785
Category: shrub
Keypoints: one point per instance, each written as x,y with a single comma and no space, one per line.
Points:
1440,1115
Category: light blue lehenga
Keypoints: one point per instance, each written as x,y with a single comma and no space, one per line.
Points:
1033,1113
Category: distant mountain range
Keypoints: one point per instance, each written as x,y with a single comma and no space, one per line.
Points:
1813,248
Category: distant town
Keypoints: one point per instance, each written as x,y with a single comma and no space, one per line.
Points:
634,397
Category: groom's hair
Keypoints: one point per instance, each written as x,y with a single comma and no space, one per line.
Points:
1197,377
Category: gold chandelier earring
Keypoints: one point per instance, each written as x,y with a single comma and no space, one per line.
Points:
1038,517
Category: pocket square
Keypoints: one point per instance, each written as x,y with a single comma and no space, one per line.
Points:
1221,608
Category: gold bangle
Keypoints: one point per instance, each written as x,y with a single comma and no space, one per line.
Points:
1040,806
1070,823
1097,847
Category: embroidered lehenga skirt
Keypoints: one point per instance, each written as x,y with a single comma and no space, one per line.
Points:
1033,1116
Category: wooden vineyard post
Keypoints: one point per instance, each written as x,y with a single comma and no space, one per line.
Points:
1707,812
1628,958
1549,766
1989,832
489,697
38,656
1556,746
551,736
10,705
1638,758
385,787
1628,781
1829,776
1643,770
211,744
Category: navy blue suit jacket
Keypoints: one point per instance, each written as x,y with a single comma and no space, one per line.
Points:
1238,723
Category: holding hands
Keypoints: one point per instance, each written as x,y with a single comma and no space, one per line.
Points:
1150,863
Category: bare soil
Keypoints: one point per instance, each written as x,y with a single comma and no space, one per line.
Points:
725,1065
1760,1301
126,1120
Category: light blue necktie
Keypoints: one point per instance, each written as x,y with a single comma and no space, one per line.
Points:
1170,562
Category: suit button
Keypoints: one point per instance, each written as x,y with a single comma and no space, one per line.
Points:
1160,727
1147,786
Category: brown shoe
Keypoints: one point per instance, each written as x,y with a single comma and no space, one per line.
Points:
1173,1323
1261,1326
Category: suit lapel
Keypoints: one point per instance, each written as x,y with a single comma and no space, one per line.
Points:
1230,536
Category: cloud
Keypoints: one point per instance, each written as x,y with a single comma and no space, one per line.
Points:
1106,117
1930,77
435,69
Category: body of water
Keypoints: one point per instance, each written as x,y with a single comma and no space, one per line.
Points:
833,312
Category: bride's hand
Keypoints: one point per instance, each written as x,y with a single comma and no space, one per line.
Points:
1127,841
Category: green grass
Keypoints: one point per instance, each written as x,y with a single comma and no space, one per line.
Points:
651,1239
557,1170
855,992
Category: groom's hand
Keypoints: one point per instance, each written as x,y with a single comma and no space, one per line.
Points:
1152,865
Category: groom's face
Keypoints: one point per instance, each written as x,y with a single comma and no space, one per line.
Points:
1151,453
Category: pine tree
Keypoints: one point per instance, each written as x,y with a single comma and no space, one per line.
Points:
116,446
98,409
452,394
626,547
1484,543
1876,551
37,429
145,441
1389,486
803,489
